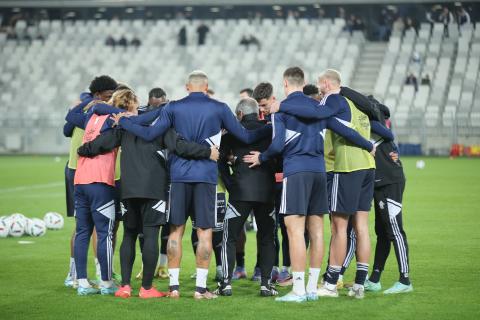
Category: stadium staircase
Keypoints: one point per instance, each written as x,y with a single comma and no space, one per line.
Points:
368,66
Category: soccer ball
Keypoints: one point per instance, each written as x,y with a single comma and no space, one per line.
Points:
53,220
28,225
17,226
4,226
420,164
19,217
36,227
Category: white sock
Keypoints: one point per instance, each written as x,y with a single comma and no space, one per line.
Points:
97,268
299,283
163,260
84,283
275,269
340,277
106,284
173,274
202,275
313,276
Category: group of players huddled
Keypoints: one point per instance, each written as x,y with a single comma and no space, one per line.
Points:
325,150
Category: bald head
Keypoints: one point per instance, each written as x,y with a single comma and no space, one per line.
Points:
329,81
197,81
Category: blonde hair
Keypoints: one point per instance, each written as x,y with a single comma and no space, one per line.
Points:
197,78
332,75
124,99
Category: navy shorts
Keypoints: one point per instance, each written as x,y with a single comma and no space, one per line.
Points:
70,191
352,191
304,193
221,212
196,200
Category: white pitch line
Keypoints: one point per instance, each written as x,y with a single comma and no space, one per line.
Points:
32,187
33,195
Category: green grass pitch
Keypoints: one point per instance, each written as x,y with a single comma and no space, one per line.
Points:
441,216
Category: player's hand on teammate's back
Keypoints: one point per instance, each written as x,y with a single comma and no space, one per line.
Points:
275,106
117,117
253,159
394,156
373,150
214,153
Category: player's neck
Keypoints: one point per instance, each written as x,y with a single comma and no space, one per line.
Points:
333,91
289,92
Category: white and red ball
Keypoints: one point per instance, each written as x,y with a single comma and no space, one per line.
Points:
17,225
53,220
37,227
4,226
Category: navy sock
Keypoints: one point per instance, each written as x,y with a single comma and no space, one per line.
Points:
362,272
332,275
375,276
404,279
200,289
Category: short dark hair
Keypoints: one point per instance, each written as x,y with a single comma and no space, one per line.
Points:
102,83
264,90
157,93
294,76
248,91
310,89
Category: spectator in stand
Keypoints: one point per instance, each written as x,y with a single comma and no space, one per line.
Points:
358,24
202,32
409,25
446,18
412,80
385,23
123,42
182,36
244,41
110,41
463,17
349,24
136,42
249,40
433,16
426,80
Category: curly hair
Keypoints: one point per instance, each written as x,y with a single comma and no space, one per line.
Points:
124,99
263,90
310,89
102,83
